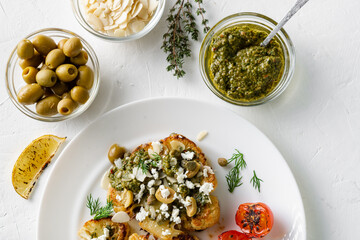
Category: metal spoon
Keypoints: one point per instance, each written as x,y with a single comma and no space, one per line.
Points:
294,9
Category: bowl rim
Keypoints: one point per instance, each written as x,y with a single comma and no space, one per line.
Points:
75,4
9,81
286,44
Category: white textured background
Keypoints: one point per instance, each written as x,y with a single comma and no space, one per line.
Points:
315,123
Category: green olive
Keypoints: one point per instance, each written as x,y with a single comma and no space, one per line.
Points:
61,43
30,93
66,72
66,106
46,78
191,165
79,94
43,44
31,62
66,95
80,59
54,58
60,88
85,77
116,152
48,106
25,49
72,47
29,74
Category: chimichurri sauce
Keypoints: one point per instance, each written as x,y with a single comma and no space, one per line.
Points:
240,68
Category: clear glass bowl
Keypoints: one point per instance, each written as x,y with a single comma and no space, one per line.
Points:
267,24
80,17
14,79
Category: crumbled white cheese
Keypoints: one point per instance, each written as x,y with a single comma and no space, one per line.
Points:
175,216
140,216
186,202
118,197
166,232
155,173
104,236
164,207
180,175
157,147
139,174
165,193
201,135
207,170
189,184
118,163
188,155
151,183
206,188
139,195
152,191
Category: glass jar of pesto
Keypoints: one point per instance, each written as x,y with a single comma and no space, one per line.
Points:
237,69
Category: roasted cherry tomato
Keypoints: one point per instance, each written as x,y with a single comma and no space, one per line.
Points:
233,235
254,219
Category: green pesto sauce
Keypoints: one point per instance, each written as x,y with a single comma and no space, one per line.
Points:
240,68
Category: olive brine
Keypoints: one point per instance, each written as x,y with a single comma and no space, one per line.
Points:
57,77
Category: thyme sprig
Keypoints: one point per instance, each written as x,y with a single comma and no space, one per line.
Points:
98,211
256,181
181,26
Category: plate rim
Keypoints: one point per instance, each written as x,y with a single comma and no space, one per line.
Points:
139,102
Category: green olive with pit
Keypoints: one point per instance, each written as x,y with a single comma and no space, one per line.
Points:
34,61
79,94
80,59
116,152
25,49
29,75
43,44
61,43
30,93
66,106
72,47
55,58
46,78
48,106
85,77
66,72
60,88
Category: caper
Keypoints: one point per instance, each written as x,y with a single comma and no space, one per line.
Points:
46,78
25,49
85,77
222,162
191,165
30,93
61,43
48,106
34,61
80,59
66,106
66,72
43,44
54,58
29,74
79,94
192,173
60,88
116,152
72,47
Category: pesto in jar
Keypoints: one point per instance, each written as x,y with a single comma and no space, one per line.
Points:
240,68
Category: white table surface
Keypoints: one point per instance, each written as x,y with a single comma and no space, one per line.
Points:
314,123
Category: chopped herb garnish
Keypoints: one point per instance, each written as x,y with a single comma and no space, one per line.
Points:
256,181
96,210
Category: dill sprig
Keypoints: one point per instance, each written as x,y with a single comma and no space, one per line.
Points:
181,26
143,165
233,178
256,181
156,158
96,210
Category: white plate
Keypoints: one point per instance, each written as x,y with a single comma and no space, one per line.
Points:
79,168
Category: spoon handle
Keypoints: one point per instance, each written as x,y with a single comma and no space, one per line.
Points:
294,9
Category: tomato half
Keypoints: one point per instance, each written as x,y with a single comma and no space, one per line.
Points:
233,235
254,219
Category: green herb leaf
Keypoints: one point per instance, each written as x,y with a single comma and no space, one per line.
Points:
233,178
92,204
95,209
256,182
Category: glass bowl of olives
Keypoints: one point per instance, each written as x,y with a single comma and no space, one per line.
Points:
52,75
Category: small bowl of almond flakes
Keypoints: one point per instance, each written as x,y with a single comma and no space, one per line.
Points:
118,20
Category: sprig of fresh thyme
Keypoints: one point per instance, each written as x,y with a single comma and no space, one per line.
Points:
256,182
181,26
98,211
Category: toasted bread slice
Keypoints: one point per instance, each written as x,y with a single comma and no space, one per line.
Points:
136,236
95,228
